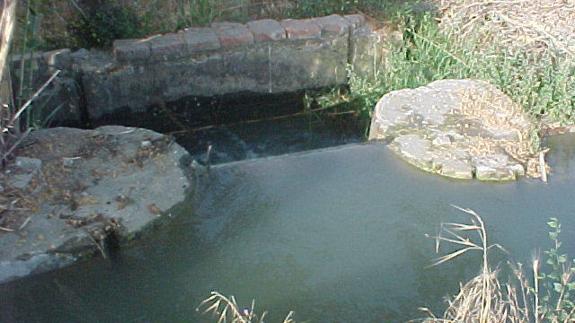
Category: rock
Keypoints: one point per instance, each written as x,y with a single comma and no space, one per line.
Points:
415,150
456,168
146,144
442,140
456,128
69,161
23,171
117,173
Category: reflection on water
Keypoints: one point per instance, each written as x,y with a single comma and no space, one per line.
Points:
336,235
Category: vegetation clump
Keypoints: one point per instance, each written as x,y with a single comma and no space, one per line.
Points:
543,84
546,296
99,27
226,309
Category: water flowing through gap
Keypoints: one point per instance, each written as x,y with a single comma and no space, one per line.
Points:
336,235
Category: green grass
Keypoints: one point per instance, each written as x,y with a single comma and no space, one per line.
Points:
543,84
73,23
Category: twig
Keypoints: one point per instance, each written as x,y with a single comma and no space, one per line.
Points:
25,223
97,244
286,116
542,167
6,229
11,149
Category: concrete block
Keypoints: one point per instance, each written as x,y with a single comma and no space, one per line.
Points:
200,39
356,20
128,50
301,29
266,30
233,34
168,46
58,59
333,25
367,52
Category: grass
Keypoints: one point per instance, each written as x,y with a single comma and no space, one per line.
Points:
17,114
546,293
71,23
541,81
543,84
225,309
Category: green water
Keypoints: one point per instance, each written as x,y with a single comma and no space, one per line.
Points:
336,235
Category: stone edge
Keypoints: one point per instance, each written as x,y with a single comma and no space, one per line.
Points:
190,41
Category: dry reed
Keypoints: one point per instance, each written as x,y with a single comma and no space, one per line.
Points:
519,25
484,298
226,309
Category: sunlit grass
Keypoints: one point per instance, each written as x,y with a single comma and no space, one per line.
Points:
543,84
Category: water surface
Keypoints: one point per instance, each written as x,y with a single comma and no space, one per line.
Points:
336,235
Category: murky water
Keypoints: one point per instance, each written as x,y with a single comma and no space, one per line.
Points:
335,235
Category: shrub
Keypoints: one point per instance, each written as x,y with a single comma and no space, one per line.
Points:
99,27
541,83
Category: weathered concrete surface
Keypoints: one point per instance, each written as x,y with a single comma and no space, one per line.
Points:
458,128
262,56
79,190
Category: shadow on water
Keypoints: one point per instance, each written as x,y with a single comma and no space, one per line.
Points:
336,235
243,126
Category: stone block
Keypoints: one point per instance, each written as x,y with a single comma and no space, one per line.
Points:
128,50
168,46
367,52
356,20
310,64
426,123
456,169
233,34
301,29
486,173
266,30
200,39
203,76
58,59
333,25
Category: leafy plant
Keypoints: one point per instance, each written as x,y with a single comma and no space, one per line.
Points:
99,27
540,82
557,304
547,297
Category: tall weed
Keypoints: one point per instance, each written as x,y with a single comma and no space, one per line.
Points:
542,83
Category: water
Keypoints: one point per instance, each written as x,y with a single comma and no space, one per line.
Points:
335,235
245,126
